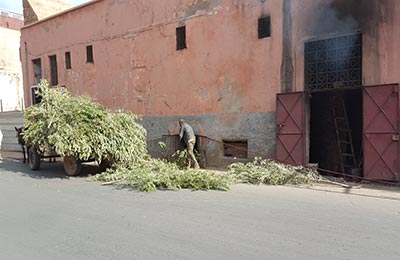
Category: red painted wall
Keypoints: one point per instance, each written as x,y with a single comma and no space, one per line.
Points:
225,68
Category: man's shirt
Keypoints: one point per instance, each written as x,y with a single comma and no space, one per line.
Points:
187,133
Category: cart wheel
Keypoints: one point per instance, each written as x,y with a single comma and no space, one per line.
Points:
34,159
72,166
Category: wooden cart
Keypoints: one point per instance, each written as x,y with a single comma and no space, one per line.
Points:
72,165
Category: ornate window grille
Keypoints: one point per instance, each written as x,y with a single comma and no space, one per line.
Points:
333,63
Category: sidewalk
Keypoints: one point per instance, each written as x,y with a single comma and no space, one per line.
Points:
11,156
359,189
364,189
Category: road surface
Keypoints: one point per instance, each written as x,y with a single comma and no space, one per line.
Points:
46,216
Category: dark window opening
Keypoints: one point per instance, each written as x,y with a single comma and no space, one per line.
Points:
264,27
68,60
333,63
89,54
53,70
181,38
36,98
237,149
37,70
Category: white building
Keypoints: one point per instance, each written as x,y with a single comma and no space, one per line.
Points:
11,87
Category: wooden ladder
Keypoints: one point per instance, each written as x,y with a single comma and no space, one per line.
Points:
343,133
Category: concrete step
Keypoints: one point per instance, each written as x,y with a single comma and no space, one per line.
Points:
8,122
9,133
9,129
11,114
9,143
10,147
9,118
12,121
9,140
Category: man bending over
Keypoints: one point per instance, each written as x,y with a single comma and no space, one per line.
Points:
187,134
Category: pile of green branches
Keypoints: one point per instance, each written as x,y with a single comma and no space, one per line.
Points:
265,171
156,174
182,158
77,126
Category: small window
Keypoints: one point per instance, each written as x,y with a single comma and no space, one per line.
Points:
89,54
181,38
53,70
264,27
37,70
68,60
237,149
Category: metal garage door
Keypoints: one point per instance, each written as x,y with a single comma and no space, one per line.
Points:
381,132
290,127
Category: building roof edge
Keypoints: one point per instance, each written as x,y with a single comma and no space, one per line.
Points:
12,14
61,13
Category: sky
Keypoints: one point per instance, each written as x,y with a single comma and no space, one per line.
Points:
16,5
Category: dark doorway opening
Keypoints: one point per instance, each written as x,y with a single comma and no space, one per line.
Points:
336,130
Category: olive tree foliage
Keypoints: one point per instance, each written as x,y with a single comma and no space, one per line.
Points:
77,126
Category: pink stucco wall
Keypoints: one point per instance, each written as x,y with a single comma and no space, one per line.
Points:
225,69
226,81
10,22
377,21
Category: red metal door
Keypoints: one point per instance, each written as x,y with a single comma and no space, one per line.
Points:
290,128
381,132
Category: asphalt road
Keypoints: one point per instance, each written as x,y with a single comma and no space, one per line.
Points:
46,216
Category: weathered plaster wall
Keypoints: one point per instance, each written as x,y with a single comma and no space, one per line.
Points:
377,21
389,37
11,89
257,128
8,21
226,72
226,77
9,50
226,68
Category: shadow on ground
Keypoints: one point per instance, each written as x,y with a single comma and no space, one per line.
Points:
12,162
